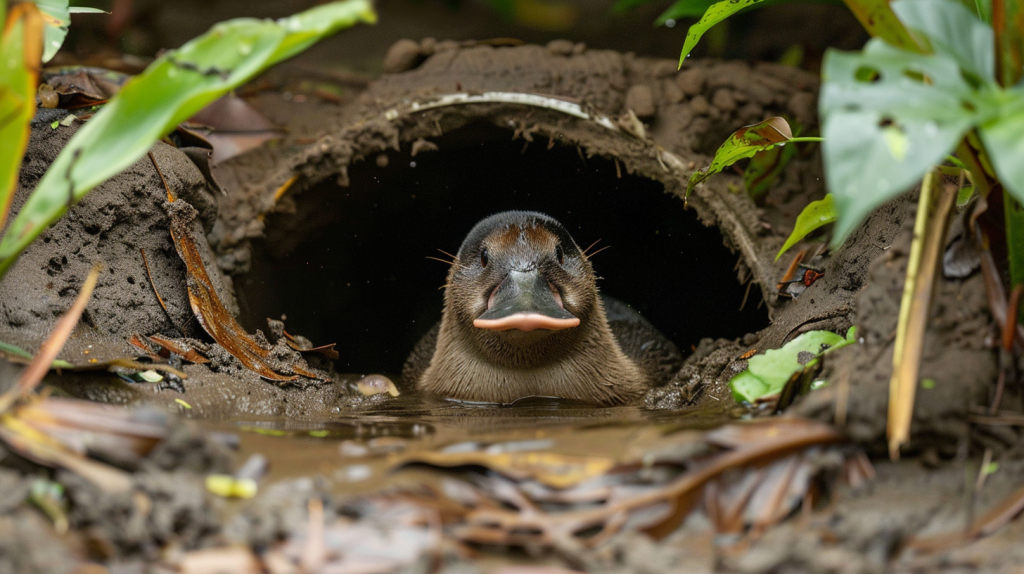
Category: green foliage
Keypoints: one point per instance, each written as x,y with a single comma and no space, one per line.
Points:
13,351
57,15
766,374
714,14
169,91
20,51
764,169
1014,215
815,215
890,114
744,143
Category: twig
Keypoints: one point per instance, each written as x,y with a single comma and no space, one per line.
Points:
53,344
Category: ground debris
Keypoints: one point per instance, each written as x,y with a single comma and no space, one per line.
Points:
780,464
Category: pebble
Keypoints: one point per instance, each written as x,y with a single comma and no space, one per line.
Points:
560,47
402,56
640,99
723,100
673,93
691,81
700,105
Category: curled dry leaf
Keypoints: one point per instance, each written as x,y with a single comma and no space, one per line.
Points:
298,344
206,304
181,349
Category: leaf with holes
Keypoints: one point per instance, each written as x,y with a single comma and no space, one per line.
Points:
952,30
888,116
816,214
173,88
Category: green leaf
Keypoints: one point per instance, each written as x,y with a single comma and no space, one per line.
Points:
1001,136
888,115
715,14
169,91
20,49
1014,217
952,30
877,17
764,168
766,374
57,17
815,215
15,351
984,10
744,143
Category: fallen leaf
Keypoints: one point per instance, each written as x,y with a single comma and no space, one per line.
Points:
206,304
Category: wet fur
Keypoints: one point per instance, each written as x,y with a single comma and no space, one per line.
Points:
583,363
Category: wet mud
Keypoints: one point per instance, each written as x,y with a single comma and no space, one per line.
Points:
605,142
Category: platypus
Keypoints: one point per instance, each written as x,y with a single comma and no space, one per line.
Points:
523,317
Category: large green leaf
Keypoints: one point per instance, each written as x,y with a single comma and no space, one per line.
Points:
954,31
170,90
766,374
20,49
888,115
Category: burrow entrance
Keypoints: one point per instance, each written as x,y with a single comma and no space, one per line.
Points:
350,264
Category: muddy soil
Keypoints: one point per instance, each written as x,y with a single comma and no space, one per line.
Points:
626,119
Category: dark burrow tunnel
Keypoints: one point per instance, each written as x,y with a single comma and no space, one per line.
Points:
351,264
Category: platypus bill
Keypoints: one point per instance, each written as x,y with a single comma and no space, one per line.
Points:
523,317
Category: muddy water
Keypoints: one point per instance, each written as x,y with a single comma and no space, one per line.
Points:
367,449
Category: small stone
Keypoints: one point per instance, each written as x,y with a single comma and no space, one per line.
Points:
447,46
560,47
428,46
403,55
673,93
700,105
371,385
723,100
664,69
691,81
640,99
579,49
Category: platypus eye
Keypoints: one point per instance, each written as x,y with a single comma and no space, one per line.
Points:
559,254
483,257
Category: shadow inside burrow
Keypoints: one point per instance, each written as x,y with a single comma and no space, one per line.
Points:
350,265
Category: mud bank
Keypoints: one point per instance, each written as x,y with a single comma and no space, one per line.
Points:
329,230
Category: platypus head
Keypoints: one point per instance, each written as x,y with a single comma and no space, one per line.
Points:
520,288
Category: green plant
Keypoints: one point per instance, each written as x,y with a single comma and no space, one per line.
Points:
768,373
937,78
173,88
